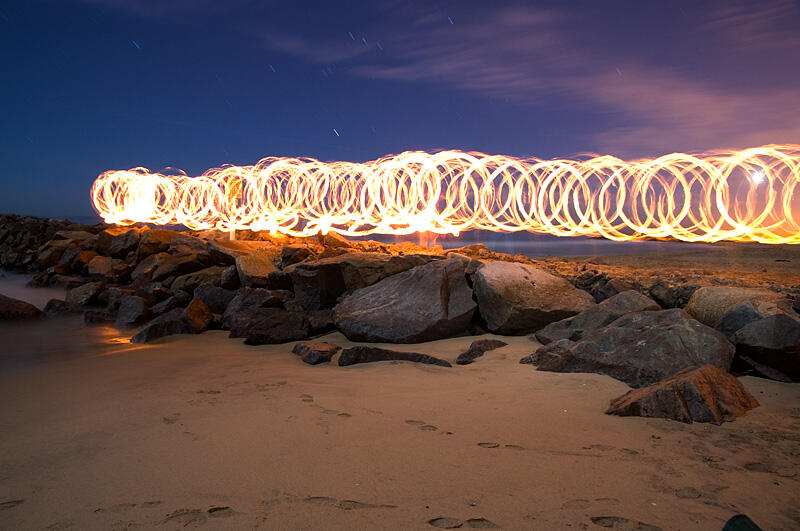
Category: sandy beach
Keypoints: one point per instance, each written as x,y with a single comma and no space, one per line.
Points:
203,431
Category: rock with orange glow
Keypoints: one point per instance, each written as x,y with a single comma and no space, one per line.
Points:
706,394
517,298
118,242
431,301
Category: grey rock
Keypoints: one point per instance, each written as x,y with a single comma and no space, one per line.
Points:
58,307
477,349
547,353
516,298
169,323
354,355
596,317
321,321
211,276
15,309
230,278
428,302
252,299
85,294
705,394
319,283
132,311
771,346
269,326
216,298
642,348
180,300
671,296
292,254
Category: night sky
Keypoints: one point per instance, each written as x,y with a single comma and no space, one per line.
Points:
94,85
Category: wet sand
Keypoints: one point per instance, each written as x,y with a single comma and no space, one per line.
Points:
202,431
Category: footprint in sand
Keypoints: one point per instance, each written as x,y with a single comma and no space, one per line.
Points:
10,504
422,425
306,398
58,526
618,522
688,493
513,447
186,517
489,445
447,522
220,512
428,427
415,422
171,419
344,415
347,505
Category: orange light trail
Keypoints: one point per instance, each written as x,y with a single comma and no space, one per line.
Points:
747,195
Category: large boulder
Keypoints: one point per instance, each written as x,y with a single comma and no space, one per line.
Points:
225,252
596,317
771,346
13,309
50,253
319,283
705,394
643,348
710,305
363,354
517,298
428,302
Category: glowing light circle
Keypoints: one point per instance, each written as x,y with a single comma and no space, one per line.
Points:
747,195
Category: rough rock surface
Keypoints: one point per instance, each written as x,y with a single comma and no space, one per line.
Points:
254,268
771,346
517,298
216,298
705,394
13,309
85,294
428,302
318,284
198,316
354,355
710,305
132,311
645,347
596,317
549,352
169,323
251,299
269,326
316,353
154,241
670,295
118,242
190,281
477,349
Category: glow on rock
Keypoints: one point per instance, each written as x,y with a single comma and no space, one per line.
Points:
747,195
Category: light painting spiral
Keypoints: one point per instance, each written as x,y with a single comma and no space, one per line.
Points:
747,195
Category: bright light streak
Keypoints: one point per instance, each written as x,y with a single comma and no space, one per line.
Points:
748,195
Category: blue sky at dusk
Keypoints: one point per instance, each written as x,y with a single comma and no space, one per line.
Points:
93,85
